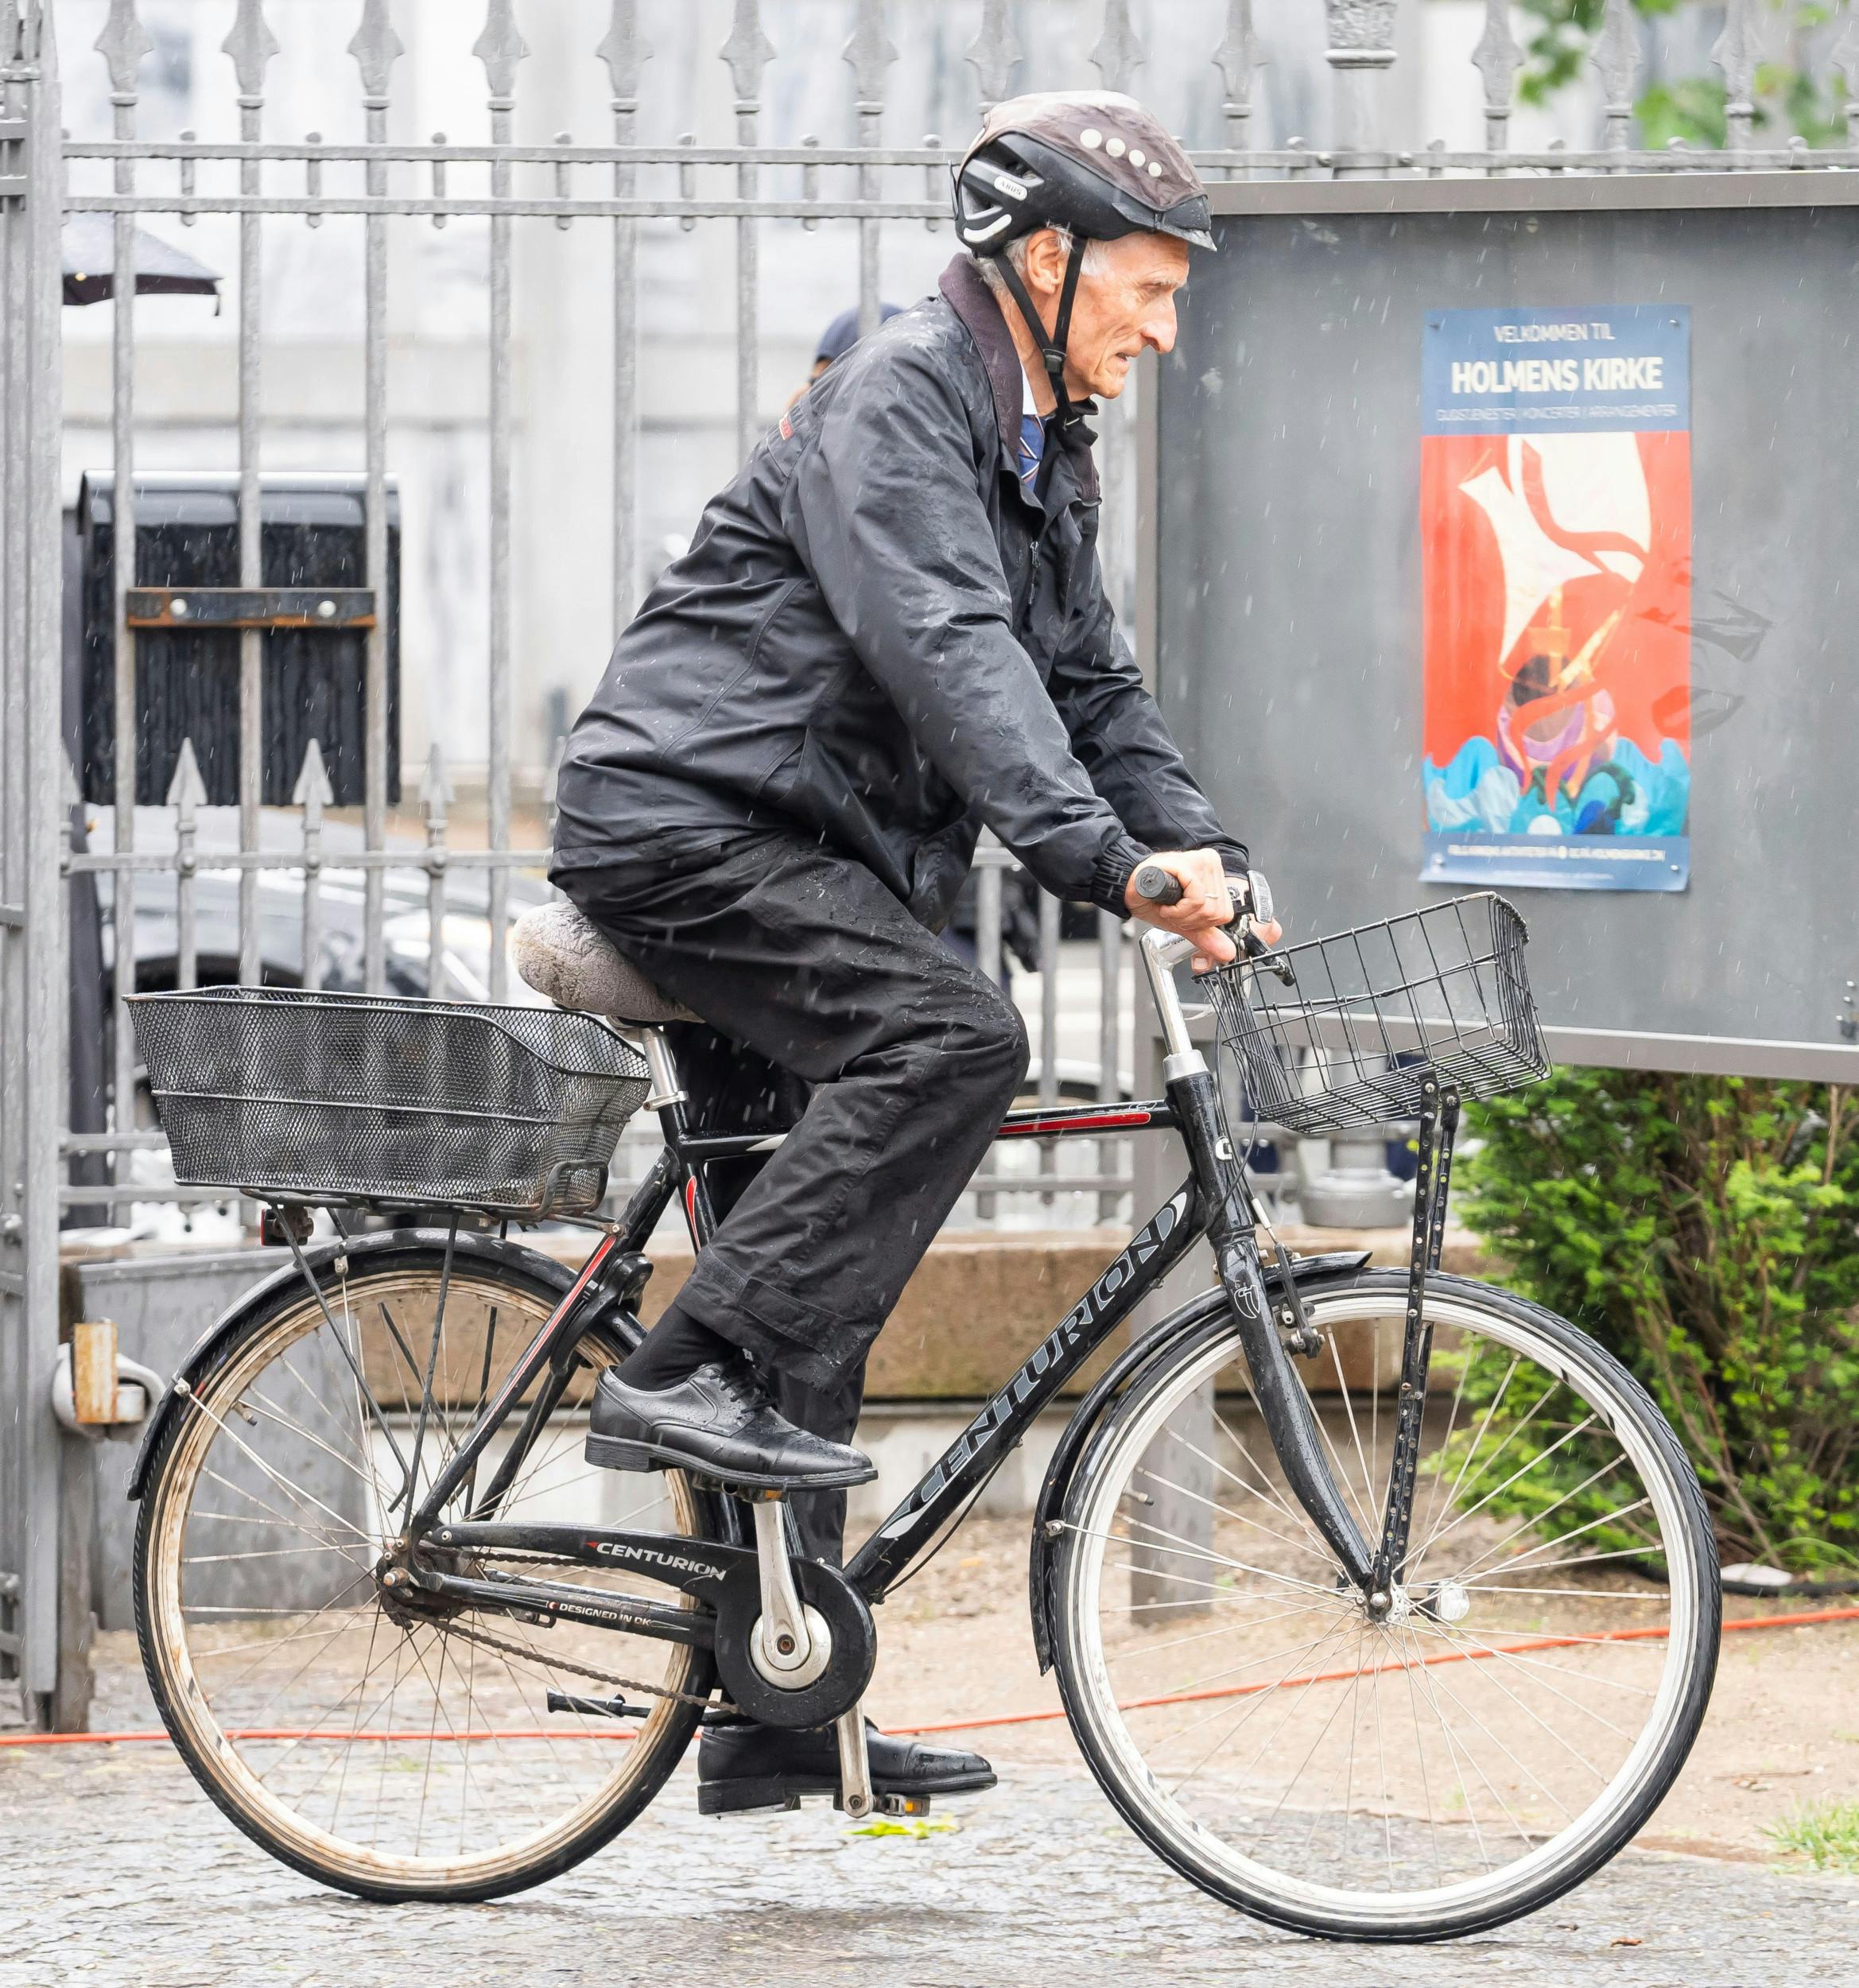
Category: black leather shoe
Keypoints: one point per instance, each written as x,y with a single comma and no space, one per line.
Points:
720,1422
742,1765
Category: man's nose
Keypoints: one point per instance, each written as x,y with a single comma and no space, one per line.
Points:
1158,328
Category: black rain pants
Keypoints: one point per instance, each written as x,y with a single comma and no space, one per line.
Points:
830,1009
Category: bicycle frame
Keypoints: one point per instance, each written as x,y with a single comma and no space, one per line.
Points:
1214,1201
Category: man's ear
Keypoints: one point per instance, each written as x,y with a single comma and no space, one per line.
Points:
1046,263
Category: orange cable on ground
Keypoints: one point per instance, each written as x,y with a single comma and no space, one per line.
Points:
1806,1617
554,1733
1444,1656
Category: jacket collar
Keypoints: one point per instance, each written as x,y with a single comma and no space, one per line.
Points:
974,304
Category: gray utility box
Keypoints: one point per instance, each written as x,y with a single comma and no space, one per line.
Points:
1288,612
314,611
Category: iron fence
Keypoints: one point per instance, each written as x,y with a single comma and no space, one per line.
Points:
386,183
32,934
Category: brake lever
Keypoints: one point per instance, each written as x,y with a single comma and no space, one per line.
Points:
1254,948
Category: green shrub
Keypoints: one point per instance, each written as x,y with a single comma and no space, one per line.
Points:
1705,1230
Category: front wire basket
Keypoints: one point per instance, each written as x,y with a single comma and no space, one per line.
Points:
1370,1014
354,1098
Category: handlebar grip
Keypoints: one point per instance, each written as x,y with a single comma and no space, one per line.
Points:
1155,885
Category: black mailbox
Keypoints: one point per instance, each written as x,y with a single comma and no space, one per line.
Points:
313,608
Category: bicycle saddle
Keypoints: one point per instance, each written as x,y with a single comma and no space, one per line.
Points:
562,953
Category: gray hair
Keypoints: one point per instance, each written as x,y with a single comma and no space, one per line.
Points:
1016,254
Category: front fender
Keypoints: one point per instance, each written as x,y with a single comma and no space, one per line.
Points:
357,1251
1190,1317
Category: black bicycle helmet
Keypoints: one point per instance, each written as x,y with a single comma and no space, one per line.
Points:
1094,162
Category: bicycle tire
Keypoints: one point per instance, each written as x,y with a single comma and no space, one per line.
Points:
216,1765
1102,1729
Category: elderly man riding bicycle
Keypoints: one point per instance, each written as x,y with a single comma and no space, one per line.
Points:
890,632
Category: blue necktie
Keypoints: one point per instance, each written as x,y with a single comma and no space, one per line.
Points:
1032,449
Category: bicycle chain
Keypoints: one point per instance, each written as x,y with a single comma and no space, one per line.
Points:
530,1654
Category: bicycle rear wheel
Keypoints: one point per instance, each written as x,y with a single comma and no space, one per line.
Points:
1508,1725
389,1752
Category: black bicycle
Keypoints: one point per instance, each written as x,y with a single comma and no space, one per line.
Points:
1383,1605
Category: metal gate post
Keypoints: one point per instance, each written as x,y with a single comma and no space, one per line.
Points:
1360,52
35,1009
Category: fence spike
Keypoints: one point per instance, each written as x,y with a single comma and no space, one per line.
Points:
1119,51
1616,59
747,52
1736,53
122,43
435,788
869,52
625,50
500,48
993,53
1238,59
251,44
1497,58
313,792
375,48
1846,59
187,790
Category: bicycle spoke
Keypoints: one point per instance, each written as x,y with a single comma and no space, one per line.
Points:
1355,1432
1187,1549
1542,1457
1561,1538
1265,1487
1226,1511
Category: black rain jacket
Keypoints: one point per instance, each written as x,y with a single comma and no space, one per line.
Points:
876,636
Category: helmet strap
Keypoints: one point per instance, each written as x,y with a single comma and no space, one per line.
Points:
1052,345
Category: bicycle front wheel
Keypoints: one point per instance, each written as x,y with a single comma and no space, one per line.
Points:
392,1749
1507,1725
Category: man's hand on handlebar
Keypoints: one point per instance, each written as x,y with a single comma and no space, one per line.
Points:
1202,910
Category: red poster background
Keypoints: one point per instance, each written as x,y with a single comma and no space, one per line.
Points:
1645,666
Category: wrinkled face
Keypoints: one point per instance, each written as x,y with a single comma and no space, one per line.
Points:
1125,302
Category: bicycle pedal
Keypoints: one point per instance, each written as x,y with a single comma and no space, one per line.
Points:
594,1707
764,1798
892,1804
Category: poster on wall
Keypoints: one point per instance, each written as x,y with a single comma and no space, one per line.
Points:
1555,522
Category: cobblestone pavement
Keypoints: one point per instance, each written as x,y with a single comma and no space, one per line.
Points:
118,1871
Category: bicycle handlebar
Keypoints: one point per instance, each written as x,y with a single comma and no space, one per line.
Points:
1252,905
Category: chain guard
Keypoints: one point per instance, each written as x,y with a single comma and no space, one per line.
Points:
848,1670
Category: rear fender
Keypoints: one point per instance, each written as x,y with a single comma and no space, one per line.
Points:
329,1262
1197,1313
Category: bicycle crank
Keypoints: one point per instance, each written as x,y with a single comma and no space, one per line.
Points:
795,1643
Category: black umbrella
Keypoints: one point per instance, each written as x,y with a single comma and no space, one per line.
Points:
90,263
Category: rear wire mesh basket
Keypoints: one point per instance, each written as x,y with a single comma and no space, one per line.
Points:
351,1097
1370,1013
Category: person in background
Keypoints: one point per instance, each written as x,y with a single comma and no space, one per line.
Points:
838,340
